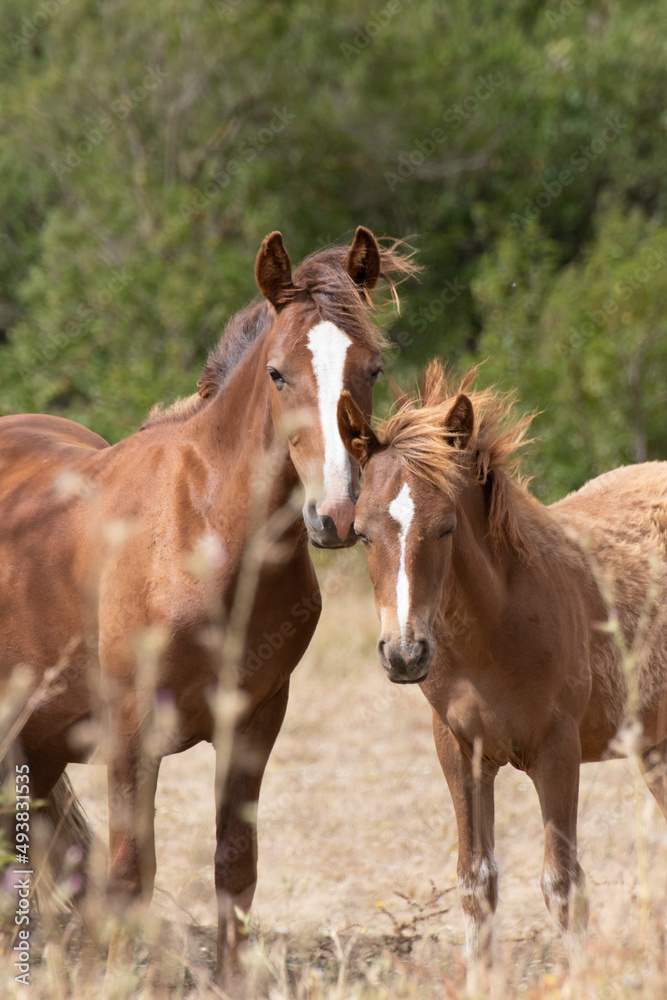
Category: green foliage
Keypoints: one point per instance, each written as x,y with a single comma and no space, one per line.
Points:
148,148
585,344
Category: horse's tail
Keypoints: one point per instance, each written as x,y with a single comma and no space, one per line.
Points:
66,844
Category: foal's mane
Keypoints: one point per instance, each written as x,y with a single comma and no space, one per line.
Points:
416,431
321,280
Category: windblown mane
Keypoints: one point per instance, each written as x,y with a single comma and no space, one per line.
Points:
322,278
416,432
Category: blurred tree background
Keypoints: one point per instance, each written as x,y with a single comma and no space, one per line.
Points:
147,146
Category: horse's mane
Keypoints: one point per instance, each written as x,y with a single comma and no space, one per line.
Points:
320,277
416,432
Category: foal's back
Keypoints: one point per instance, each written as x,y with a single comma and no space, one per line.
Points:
620,522
630,501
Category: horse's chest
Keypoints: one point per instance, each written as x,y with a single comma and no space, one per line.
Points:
279,630
505,718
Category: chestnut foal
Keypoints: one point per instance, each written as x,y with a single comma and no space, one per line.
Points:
536,633
185,533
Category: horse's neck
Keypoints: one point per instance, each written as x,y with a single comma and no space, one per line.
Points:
236,435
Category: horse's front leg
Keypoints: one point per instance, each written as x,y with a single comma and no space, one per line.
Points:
236,832
555,774
132,781
470,779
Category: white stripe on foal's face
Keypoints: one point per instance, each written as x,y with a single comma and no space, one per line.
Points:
402,509
329,345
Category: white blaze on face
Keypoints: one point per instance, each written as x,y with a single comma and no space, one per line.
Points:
328,345
402,509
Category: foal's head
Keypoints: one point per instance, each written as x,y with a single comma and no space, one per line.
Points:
313,340
320,344
415,472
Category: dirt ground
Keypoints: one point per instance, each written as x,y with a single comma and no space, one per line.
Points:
357,842
355,815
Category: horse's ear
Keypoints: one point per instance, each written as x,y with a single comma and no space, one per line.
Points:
459,422
359,440
363,260
273,270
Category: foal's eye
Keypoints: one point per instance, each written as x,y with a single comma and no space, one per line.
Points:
276,377
360,535
376,374
447,531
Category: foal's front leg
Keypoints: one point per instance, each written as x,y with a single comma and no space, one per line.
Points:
132,781
236,829
555,774
472,795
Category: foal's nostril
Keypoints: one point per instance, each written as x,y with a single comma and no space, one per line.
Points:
423,654
421,650
313,517
389,657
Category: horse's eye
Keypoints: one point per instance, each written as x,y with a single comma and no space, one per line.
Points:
446,532
276,377
360,535
376,374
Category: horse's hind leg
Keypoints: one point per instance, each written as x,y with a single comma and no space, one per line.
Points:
654,771
67,835
49,825
43,775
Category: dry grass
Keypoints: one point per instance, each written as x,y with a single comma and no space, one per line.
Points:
358,852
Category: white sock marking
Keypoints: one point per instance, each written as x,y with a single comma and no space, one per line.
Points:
402,509
328,345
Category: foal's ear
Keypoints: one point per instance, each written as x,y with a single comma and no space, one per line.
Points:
273,270
363,260
459,422
359,440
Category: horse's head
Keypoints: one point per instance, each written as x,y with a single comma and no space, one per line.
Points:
407,523
321,344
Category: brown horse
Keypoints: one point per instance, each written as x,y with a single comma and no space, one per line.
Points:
537,634
128,566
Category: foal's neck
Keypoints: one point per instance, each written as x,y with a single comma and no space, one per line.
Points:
490,563
476,590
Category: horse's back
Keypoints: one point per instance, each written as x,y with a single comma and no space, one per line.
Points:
43,461
34,450
34,433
